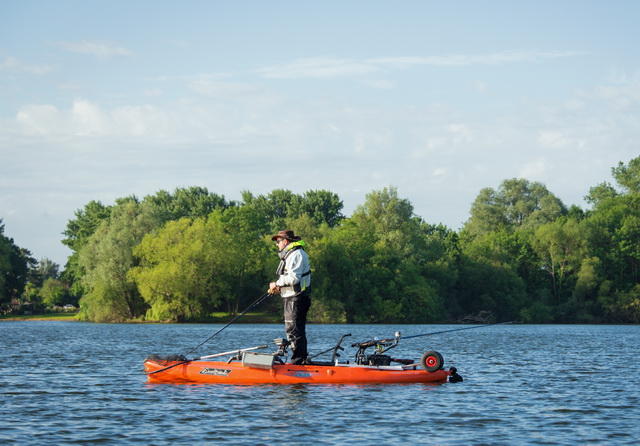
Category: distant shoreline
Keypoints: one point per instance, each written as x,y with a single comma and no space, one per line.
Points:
39,317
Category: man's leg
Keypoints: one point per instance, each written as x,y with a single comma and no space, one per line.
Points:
295,320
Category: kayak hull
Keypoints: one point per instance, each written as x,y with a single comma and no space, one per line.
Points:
236,373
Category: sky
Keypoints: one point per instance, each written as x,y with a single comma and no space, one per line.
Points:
106,99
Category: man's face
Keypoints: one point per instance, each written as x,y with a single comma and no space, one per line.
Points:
281,243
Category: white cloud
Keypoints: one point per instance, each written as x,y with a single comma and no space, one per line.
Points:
623,98
319,68
560,139
480,87
498,58
620,76
177,43
98,49
82,119
534,169
462,134
85,118
334,67
439,172
70,86
218,89
380,84
435,144
36,120
14,65
152,92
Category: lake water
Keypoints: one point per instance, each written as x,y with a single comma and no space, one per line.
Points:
71,382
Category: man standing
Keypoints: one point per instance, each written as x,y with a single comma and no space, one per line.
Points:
294,278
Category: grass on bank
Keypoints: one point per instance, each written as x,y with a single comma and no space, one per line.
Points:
214,318
39,317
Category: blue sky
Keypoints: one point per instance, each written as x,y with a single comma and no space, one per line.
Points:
101,100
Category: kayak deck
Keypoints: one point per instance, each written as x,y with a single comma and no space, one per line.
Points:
235,372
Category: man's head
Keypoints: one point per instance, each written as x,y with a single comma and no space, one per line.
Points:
283,238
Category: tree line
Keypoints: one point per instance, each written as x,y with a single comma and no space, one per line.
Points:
522,255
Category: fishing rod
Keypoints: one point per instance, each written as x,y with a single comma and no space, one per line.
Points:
185,361
232,352
455,329
249,308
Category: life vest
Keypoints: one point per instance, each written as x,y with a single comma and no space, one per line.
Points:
282,269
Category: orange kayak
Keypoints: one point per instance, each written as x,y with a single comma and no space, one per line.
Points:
247,367
236,373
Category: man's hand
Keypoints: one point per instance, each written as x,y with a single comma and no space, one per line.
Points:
273,288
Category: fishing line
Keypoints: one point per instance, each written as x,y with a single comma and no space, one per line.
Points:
455,329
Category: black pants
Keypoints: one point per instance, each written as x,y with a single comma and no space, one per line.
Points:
295,324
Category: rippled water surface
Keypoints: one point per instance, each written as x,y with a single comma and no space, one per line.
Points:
71,382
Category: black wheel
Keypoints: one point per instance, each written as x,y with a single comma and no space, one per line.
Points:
432,361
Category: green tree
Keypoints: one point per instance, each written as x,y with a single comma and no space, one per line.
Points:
281,206
43,270
518,203
500,234
342,282
601,193
628,176
85,224
376,264
77,234
173,275
5,264
622,306
14,269
53,292
190,267
244,258
190,202
492,273
559,245
274,208
32,294
491,287
107,258
321,206
612,231
627,238
613,225
584,302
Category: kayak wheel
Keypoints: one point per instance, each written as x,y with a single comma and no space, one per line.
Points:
432,361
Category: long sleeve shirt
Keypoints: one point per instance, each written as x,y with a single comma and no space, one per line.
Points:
296,271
